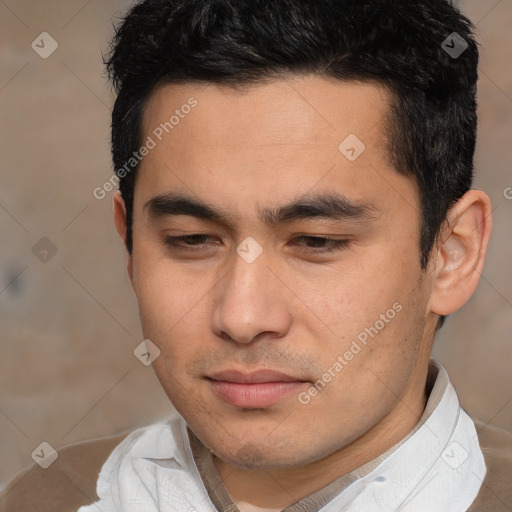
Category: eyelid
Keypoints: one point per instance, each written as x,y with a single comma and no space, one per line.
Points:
332,244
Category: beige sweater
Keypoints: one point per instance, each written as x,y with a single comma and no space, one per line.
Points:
70,481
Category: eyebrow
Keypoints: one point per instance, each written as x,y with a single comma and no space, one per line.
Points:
327,206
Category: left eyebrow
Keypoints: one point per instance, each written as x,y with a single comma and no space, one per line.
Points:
327,206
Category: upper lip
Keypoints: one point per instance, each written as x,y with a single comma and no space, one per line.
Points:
255,377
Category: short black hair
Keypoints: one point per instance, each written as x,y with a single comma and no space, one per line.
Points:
408,46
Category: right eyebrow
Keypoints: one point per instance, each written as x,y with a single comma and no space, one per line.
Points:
177,204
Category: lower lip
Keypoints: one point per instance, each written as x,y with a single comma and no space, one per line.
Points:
254,396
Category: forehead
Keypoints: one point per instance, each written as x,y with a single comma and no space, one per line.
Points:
270,142
307,110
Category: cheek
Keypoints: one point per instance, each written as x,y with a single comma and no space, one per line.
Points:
166,294
171,319
346,300
364,381
172,310
367,329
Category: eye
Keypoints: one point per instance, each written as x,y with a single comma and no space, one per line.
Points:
187,243
200,242
321,245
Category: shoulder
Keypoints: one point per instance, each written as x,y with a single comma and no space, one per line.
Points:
67,484
496,491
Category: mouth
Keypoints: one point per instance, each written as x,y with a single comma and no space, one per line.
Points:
255,390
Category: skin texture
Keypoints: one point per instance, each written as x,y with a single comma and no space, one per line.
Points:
292,310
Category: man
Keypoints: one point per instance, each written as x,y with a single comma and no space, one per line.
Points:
296,207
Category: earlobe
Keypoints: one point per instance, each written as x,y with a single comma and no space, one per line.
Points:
460,252
120,223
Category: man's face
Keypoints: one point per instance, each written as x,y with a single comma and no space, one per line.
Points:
296,308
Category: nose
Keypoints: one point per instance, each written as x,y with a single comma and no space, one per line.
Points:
251,301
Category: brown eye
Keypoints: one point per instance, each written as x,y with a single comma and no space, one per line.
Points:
321,245
187,243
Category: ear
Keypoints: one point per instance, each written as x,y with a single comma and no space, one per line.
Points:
120,222
460,252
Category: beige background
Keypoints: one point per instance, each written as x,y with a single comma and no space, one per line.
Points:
69,326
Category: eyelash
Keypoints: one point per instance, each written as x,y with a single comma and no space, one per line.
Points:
334,245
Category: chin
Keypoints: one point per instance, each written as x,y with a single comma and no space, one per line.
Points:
248,453
255,457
